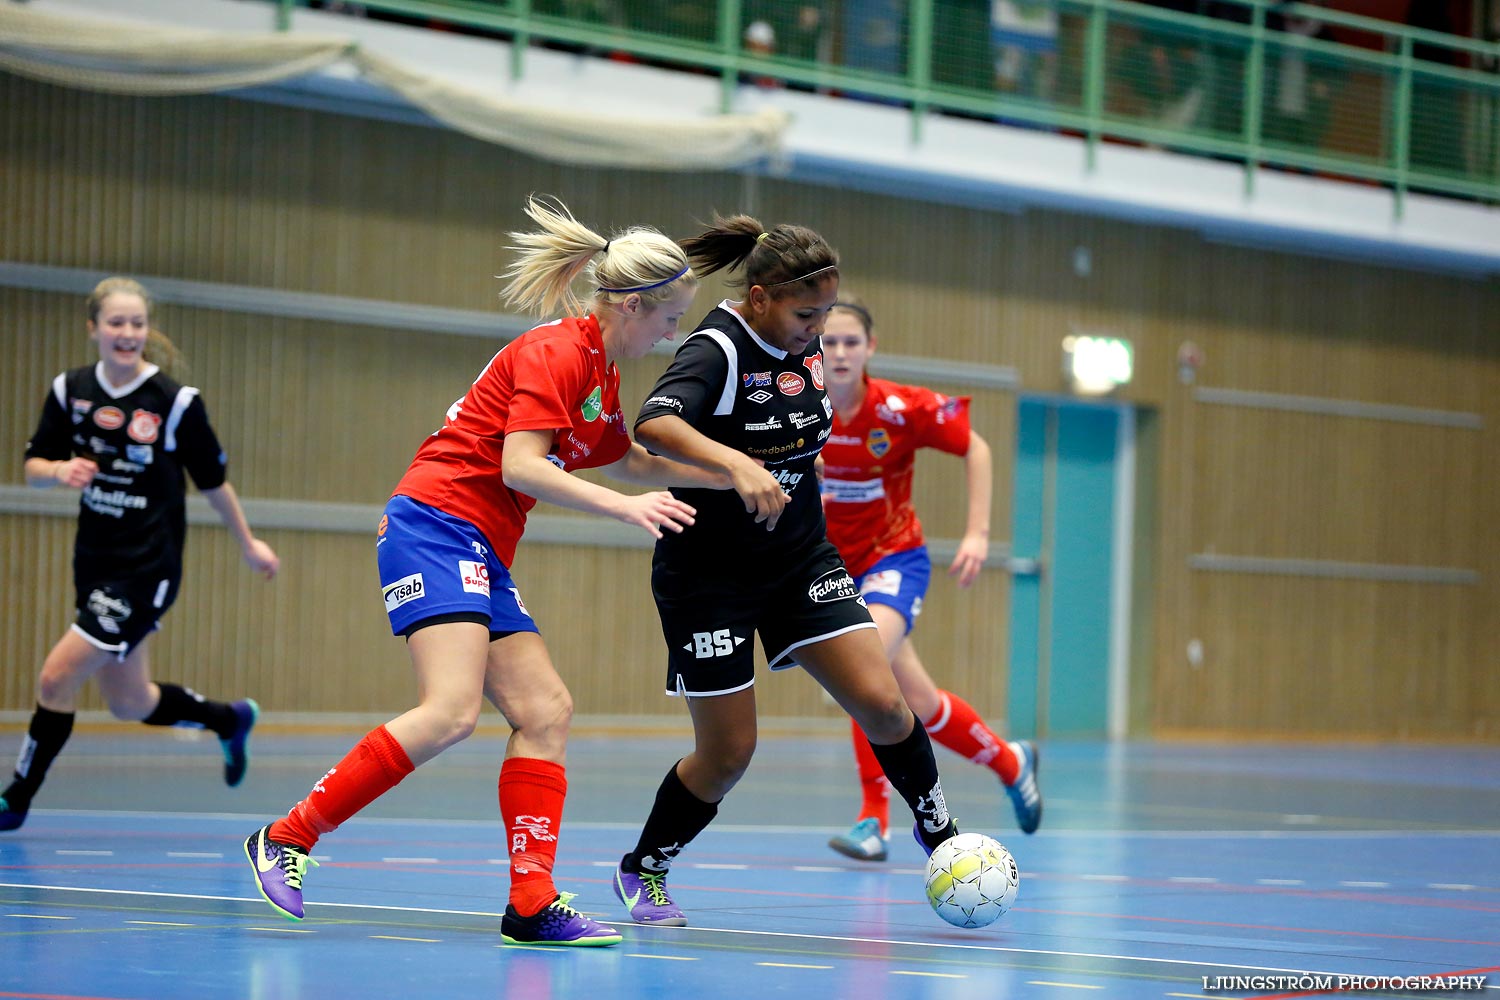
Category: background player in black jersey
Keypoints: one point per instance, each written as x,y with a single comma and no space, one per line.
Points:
123,433
745,397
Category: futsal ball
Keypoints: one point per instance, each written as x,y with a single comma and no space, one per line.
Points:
971,880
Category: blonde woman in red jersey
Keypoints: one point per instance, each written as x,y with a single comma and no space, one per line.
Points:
868,462
547,404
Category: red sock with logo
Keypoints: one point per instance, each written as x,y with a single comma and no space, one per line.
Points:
375,766
875,790
959,728
531,805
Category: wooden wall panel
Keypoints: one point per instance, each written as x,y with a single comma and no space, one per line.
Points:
258,195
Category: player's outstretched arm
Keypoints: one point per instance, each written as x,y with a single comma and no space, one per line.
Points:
258,555
640,466
675,437
524,464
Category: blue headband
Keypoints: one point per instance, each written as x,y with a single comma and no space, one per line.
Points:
647,288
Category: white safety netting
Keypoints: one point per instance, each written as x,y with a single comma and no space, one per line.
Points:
154,60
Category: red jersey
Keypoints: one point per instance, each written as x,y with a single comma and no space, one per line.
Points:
868,464
551,378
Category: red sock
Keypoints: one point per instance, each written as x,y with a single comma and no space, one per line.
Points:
531,805
875,790
375,766
959,728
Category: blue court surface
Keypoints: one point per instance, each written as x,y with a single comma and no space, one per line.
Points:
1156,866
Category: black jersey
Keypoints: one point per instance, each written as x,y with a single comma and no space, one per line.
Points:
132,517
742,392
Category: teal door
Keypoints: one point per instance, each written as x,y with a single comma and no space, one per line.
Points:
1069,546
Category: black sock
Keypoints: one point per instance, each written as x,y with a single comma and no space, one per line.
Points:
44,740
676,818
181,705
912,771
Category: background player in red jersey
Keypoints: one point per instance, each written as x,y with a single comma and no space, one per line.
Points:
546,404
744,396
868,463
123,432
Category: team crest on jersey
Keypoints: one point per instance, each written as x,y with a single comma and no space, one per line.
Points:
110,417
594,404
790,383
814,367
878,442
81,408
143,426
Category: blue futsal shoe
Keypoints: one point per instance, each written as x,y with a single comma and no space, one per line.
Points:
237,744
1025,795
863,842
11,818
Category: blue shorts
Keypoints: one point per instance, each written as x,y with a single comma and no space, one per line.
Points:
435,567
899,581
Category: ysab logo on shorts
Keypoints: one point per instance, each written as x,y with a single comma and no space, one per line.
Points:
835,585
408,588
710,645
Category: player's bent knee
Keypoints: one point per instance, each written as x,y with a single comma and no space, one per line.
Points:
886,721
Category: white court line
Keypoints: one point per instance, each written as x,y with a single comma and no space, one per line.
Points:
159,923
679,931
1365,885
792,965
930,975
1461,886
1280,881
661,958
87,854
258,819
35,916
1071,986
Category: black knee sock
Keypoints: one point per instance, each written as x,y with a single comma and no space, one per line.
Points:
44,739
913,773
181,705
676,818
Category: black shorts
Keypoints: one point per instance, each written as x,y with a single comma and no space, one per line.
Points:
116,613
708,621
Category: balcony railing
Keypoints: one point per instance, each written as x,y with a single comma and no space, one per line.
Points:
1292,86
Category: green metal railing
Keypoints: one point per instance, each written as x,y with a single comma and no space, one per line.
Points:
1404,108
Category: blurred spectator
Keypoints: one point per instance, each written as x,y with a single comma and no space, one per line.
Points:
1301,84
759,39
799,28
1025,38
1169,69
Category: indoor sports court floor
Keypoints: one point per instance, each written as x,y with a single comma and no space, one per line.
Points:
1157,865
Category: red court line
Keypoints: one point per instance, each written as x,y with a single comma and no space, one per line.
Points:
1315,993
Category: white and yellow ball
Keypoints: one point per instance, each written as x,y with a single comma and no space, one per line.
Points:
971,880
